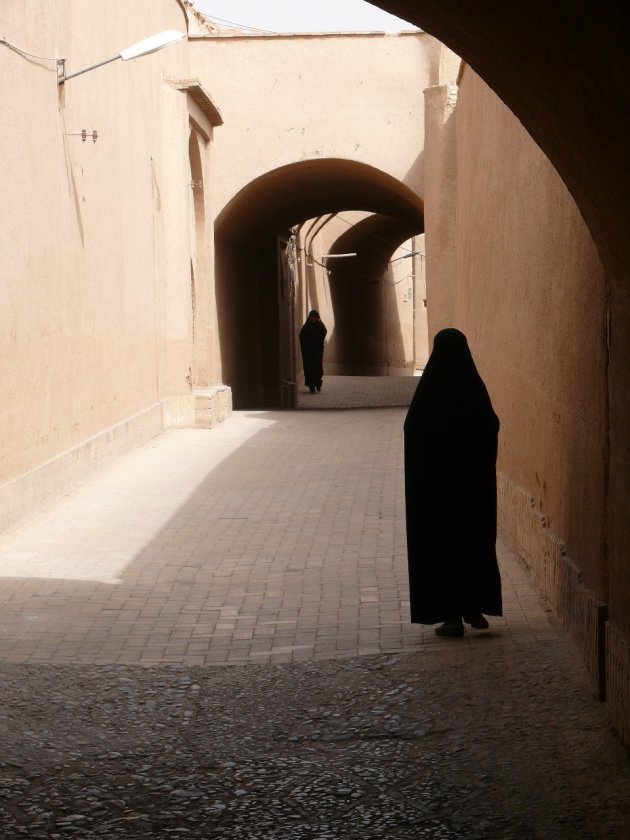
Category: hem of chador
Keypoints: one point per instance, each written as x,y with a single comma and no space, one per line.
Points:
433,620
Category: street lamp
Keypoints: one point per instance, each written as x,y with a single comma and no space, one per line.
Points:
149,45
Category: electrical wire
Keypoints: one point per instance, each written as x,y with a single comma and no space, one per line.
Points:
374,236
240,25
313,259
410,253
381,279
406,256
24,53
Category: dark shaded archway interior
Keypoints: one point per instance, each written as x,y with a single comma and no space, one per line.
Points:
249,299
360,294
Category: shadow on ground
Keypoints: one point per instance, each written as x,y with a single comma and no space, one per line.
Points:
458,747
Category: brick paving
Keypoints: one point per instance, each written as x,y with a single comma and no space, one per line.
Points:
275,544
275,537
359,392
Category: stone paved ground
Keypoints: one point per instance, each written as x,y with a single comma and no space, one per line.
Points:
210,639
359,392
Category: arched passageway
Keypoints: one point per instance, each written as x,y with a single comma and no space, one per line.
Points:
252,303
363,299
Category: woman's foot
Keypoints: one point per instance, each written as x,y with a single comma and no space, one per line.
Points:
453,627
319,388
477,621
311,388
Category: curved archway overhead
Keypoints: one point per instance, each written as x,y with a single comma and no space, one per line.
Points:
562,69
299,191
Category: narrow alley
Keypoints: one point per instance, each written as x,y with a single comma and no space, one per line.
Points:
209,638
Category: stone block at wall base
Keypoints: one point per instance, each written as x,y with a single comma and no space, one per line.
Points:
618,681
178,412
289,394
580,612
212,405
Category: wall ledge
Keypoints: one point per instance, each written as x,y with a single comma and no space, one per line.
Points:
580,612
618,681
605,650
33,490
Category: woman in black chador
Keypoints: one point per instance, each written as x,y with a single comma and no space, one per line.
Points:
312,337
451,492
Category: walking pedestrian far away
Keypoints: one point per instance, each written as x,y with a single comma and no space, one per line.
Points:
312,337
451,434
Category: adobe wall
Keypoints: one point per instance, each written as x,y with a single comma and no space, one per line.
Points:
318,96
529,291
94,245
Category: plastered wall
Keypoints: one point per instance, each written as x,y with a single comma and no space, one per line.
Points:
318,97
529,291
94,255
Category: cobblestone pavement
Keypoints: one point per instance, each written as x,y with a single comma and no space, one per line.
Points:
273,547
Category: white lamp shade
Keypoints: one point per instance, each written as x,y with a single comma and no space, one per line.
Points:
152,44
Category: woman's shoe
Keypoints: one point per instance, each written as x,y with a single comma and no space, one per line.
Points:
311,388
452,627
477,621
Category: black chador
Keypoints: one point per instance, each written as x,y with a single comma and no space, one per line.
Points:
450,490
312,337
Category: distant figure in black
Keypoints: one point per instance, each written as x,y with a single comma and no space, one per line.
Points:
312,337
451,492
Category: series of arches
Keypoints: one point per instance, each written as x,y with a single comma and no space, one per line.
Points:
246,255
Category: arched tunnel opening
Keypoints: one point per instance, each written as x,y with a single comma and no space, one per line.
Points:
368,338
251,298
